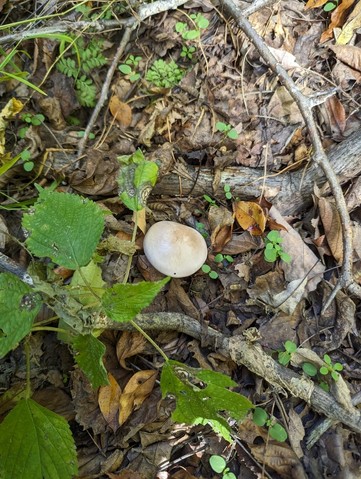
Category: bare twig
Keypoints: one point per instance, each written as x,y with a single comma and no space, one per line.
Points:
305,105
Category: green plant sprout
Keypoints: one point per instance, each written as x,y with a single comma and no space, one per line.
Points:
129,68
227,192
208,270
82,60
273,249
227,129
201,229
187,52
200,23
330,368
276,431
284,357
219,465
225,259
210,200
164,74
28,165
329,6
30,119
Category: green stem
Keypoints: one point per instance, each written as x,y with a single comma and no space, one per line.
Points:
148,338
130,257
27,355
49,328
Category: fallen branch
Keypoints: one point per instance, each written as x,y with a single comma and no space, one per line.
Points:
250,354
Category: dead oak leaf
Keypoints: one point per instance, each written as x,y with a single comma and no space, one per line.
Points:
332,225
250,217
138,388
129,345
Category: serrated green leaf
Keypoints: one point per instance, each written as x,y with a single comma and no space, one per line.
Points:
19,306
284,357
89,357
136,178
196,405
218,379
290,346
36,443
123,302
65,228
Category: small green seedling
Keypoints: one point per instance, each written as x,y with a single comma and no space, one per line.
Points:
309,369
28,165
200,23
187,52
129,68
208,270
201,229
227,129
219,465
30,119
164,75
276,431
210,200
329,6
273,249
81,134
227,192
330,368
224,259
284,357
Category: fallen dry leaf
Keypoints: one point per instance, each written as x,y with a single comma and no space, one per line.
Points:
296,432
348,54
129,345
108,400
120,111
138,388
338,17
250,217
332,226
336,115
314,4
350,27
221,225
286,59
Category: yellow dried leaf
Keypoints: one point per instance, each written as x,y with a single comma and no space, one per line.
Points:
129,345
120,111
108,400
135,392
350,27
250,217
12,108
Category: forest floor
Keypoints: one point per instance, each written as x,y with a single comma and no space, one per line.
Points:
236,162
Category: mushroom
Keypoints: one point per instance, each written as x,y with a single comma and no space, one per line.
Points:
174,249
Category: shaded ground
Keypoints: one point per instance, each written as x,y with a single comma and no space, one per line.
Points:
223,80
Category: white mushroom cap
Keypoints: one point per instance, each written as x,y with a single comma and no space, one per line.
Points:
174,249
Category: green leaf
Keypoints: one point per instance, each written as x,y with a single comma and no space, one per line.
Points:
270,255
310,369
206,268
28,166
36,443
191,35
274,237
327,359
260,416
220,126
137,176
123,302
335,376
285,257
19,306
87,284
180,27
329,7
229,475
213,274
338,367
218,258
284,357
202,22
278,432
89,357
290,346
126,69
64,227
324,371
232,134
218,463
196,404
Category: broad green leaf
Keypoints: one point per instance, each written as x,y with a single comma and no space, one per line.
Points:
89,357
64,227
218,463
19,306
202,405
290,346
123,302
126,69
309,369
36,443
87,284
260,416
278,432
137,176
